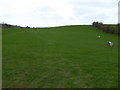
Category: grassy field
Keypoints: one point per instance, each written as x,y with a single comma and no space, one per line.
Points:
59,57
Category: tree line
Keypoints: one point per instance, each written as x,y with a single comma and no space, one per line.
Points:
107,28
5,25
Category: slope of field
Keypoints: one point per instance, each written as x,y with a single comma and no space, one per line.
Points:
59,57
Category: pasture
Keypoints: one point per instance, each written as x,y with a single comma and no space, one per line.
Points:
59,57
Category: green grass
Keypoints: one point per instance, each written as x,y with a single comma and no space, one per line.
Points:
59,57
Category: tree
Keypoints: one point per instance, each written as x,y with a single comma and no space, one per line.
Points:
27,27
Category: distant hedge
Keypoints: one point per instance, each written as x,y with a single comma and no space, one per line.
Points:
10,26
107,28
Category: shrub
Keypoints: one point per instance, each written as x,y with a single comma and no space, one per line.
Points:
107,28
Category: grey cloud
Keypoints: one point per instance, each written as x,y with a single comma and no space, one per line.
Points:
46,13
44,9
102,4
81,11
97,17
94,11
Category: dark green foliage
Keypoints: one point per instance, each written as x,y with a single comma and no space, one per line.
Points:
106,28
4,25
97,24
27,27
118,29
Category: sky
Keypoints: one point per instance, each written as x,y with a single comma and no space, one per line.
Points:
50,13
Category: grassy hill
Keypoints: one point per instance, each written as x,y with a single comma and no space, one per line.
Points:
59,57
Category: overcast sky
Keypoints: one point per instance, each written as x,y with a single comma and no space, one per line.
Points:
49,13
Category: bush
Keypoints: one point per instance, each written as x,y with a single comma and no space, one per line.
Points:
27,27
107,28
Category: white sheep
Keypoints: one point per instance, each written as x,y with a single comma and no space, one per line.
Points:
98,36
110,43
